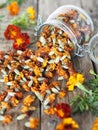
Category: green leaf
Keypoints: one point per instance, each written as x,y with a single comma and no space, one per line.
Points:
95,104
18,1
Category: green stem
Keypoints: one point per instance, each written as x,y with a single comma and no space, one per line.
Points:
2,5
81,86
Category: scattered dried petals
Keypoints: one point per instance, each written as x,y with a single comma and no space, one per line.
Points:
28,100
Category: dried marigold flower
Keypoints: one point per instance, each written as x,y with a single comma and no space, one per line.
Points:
1,55
43,88
50,111
51,97
11,32
54,84
49,74
13,8
21,42
10,77
37,71
19,95
7,119
5,105
63,110
6,79
62,72
26,109
3,95
33,123
62,94
28,100
38,44
44,63
67,124
14,101
25,87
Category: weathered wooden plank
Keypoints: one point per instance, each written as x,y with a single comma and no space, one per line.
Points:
82,65
49,6
5,45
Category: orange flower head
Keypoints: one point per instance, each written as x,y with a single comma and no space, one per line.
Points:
7,119
11,32
13,8
95,125
21,41
27,108
67,124
34,123
31,12
28,100
63,110
14,101
50,111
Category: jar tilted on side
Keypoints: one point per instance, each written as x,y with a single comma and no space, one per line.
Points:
77,20
73,21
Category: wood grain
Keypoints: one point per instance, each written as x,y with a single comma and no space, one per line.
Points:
5,45
82,65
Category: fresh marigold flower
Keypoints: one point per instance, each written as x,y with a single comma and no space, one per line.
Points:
21,41
11,32
63,110
13,8
67,124
31,12
28,100
73,80
95,125
7,119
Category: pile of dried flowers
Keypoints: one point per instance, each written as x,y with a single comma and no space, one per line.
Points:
27,75
27,71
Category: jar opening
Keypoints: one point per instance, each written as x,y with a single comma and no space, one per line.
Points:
63,27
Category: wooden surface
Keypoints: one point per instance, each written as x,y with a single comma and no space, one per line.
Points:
44,8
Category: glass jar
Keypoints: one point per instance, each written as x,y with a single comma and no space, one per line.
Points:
92,48
75,22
